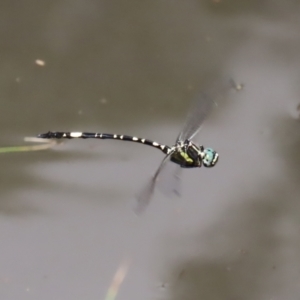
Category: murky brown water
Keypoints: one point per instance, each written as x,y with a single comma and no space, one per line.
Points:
131,67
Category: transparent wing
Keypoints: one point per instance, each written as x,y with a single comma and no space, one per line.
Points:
144,197
169,181
198,112
201,108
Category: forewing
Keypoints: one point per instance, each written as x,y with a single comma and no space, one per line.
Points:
201,108
198,112
169,181
144,196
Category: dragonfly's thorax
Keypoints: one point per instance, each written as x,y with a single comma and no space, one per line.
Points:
187,154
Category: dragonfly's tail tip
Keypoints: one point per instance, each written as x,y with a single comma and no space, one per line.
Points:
43,135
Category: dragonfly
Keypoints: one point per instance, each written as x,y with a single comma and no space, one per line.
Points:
184,153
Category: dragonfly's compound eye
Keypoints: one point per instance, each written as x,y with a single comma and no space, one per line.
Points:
210,157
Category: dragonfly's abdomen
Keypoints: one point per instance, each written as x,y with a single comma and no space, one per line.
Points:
87,135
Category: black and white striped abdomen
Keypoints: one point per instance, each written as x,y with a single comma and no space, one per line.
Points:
87,135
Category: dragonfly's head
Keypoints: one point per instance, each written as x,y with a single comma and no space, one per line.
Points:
210,157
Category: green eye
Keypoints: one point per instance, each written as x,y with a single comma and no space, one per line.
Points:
210,157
